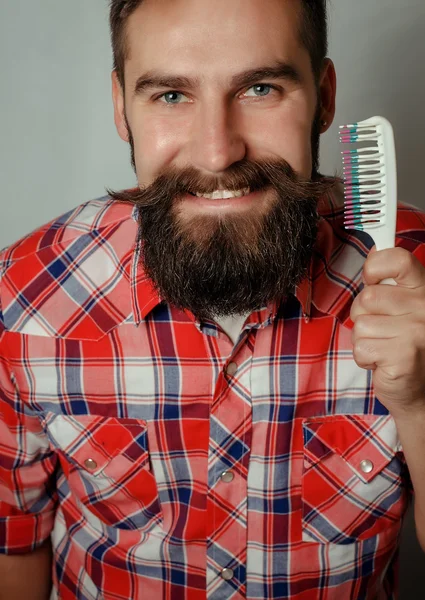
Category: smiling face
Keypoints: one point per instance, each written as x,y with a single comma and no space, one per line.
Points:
208,84
217,88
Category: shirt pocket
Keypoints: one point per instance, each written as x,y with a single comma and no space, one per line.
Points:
352,481
106,463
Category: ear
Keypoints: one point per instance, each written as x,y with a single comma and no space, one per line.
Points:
327,91
119,107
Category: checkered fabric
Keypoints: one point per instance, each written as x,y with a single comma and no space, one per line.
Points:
167,463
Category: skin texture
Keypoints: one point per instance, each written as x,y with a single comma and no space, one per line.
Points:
389,333
216,124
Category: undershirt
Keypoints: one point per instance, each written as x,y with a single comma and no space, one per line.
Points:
232,325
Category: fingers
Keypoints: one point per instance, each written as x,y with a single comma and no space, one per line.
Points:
395,263
397,362
378,327
388,300
384,341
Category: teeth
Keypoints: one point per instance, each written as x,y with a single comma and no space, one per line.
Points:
223,194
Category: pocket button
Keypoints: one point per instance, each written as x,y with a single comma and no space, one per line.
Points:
366,466
90,464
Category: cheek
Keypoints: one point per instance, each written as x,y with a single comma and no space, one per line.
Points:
155,146
287,134
297,148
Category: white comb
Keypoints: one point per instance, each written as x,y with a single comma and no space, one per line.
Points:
370,180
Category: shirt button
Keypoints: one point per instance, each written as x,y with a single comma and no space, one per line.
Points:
227,574
231,369
227,476
90,464
366,466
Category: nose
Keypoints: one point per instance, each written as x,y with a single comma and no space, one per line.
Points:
216,142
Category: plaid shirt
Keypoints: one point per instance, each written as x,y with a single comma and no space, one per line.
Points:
167,463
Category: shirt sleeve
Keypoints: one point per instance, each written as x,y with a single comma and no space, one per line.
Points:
28,494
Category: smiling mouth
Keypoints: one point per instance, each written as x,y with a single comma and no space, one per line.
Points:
223,194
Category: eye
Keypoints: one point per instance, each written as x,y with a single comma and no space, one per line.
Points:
259,90
173,98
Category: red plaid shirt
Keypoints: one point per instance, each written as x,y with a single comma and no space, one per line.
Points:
167,463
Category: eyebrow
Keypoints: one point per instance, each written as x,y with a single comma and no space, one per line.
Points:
156,79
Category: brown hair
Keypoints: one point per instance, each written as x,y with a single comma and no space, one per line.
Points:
314,32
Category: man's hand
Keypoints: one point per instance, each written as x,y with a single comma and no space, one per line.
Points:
389,330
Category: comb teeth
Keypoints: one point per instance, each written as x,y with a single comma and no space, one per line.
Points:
351,134
358,214
363,173
370,179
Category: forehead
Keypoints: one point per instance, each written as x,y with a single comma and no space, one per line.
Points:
222,36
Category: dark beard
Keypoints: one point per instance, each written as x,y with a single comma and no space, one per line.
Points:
231,264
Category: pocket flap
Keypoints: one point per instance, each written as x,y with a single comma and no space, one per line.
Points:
91,442
368,443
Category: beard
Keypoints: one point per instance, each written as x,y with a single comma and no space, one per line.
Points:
232,263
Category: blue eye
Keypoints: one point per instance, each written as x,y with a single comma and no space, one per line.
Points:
261,89
172,98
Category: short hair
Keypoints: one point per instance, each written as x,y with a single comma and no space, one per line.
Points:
314,32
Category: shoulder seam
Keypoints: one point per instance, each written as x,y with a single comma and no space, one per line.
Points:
6,261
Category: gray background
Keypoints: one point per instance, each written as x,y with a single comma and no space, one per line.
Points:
59,147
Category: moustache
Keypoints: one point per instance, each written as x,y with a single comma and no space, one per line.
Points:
255,175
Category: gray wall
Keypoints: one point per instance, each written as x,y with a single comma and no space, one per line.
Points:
58,145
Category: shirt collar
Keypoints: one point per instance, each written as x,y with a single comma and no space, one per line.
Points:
334,277
332,282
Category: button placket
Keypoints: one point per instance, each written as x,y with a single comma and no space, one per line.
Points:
231,369
230,445
227,476
227,574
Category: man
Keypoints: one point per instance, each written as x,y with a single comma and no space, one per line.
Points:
199,396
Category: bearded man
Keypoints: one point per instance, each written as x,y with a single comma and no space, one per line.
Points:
204,391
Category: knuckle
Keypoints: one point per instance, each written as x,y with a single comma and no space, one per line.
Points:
363,349
362,325
367,268
355,309
405,260
356,350
368,297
